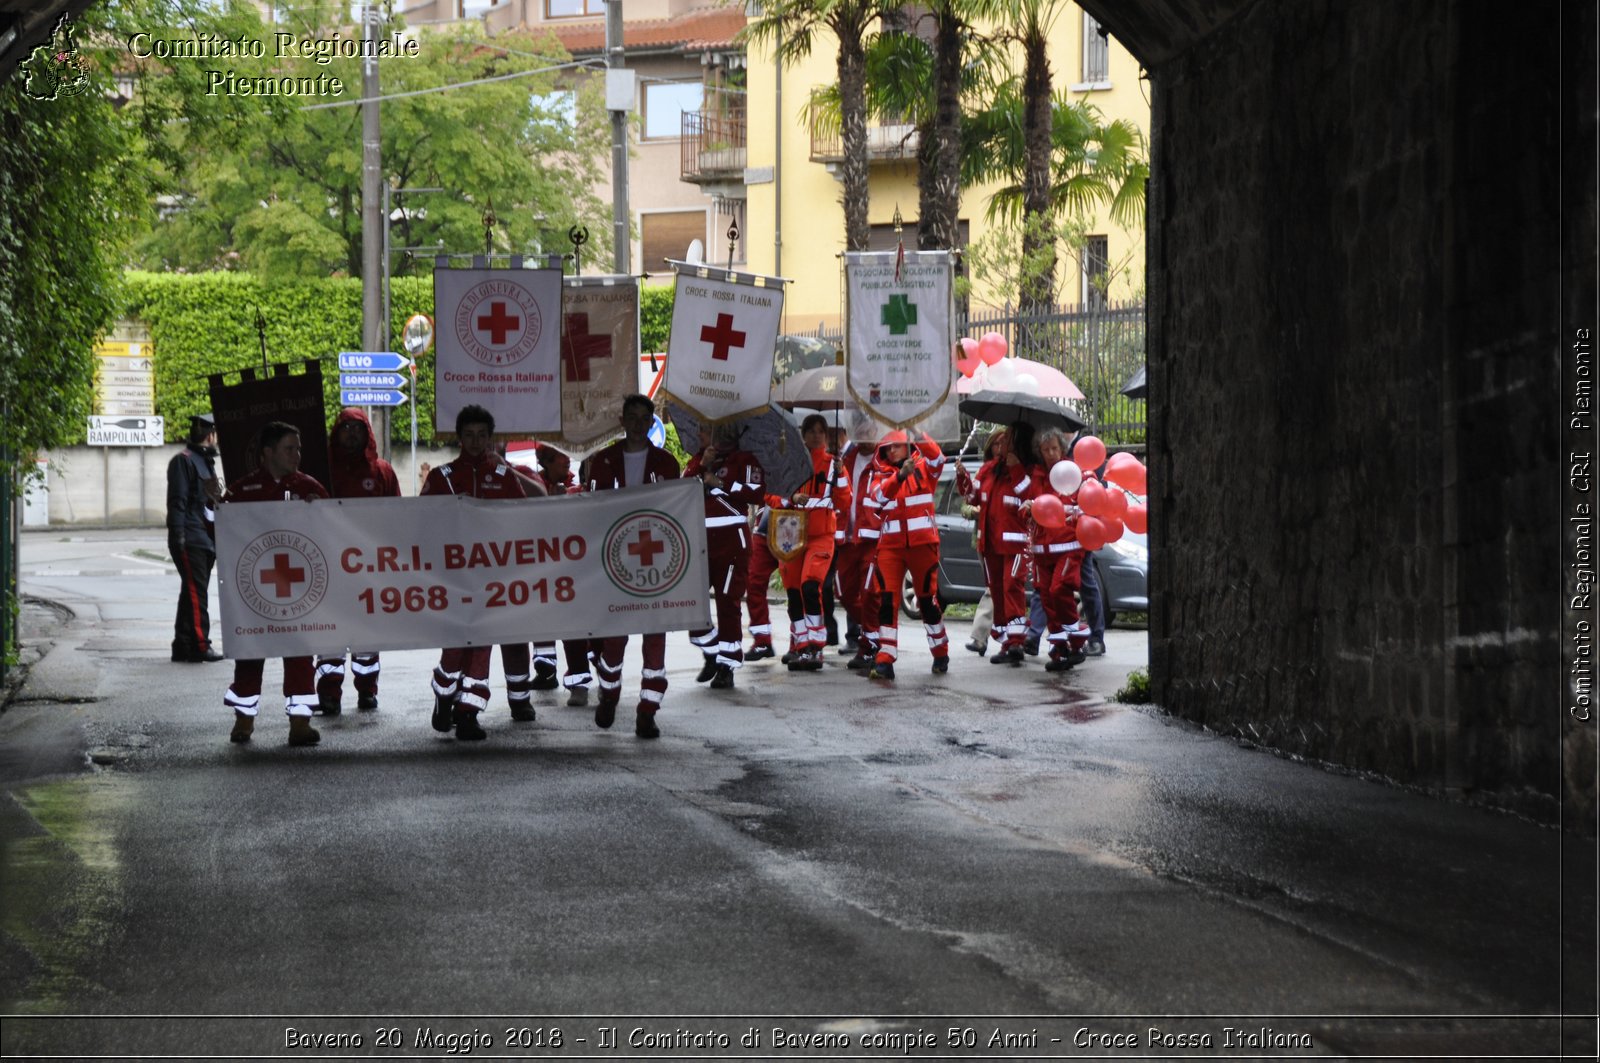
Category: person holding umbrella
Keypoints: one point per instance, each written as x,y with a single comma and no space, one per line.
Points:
732,479
1002,485
1058,558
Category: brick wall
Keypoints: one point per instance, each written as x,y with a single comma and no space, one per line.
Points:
1354,375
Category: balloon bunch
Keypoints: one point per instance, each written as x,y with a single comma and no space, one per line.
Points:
1107,511
984,361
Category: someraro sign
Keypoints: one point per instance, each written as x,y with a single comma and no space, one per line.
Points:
370,574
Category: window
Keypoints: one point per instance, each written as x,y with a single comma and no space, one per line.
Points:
1096,52
573,8
666,234
664,104
1096,266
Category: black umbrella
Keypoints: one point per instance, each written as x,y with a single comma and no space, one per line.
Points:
1135,387
772,435
822,388
793,353
1008,407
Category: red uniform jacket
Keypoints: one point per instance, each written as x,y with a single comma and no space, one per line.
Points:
826,500
727,521
363,475
999,491
487,477
907,506
607,471
260,486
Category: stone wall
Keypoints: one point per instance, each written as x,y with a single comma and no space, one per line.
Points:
1354,377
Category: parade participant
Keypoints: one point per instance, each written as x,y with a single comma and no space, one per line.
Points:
823,495
762,566
354,471
192,490
732,479
461,679
1058,562
556,478
853,560
904,488
276,479
631,462
1003,483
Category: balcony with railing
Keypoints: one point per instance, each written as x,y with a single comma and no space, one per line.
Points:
713,140
885,143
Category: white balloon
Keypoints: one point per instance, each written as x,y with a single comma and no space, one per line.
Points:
1065,476
1027,383
1003,376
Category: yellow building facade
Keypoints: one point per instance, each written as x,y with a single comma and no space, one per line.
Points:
794,212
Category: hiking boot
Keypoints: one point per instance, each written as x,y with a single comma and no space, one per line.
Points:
605,713
243,727
544,676
522,710
941,665
723,680
1031,647
761,651
301,733
1058,664
443,714
707,670
644,725
882,670
578,697
790,657
1013,656
852,638
467,729
807,661
367,702
328,707
860,662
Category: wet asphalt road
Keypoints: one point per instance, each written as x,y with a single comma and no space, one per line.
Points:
995,842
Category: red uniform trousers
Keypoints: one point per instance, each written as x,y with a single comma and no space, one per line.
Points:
867,642
330,676
652,678
1006,575
463,674
1058,577
515,663
807,630
762,566
729,575
894,560
299,687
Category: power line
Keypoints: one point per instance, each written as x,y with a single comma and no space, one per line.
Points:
584,63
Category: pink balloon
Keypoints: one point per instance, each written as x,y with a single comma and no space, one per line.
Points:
1126,470
1092,498
1048,512
1138,518
1091,533
1089,453
1114,529
967,359
968,366
992,347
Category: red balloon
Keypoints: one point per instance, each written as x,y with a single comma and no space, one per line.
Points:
1119,469
1091,533
967,359
1116,504
1048,512
1092,498
992,347
1089,453
1114,529
1138,518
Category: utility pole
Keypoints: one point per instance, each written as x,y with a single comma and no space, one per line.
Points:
619,101
373,260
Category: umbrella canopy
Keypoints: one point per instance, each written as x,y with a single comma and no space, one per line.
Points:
822,388
772,435
1053,383
793,353
1008,407
1135,387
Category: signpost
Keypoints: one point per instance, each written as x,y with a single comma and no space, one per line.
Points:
371,380
371,398
126,431
373,361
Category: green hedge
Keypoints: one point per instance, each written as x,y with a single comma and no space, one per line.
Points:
202,324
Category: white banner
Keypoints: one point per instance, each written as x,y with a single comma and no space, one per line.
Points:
599,359
898,342
719,354
398,574
499,347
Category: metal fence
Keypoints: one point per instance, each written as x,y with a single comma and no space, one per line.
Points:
1098,346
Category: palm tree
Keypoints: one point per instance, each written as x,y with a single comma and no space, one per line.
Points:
791,27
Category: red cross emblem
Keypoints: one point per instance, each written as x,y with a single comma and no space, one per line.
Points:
498,323
723,337
578,347
646,548
282,575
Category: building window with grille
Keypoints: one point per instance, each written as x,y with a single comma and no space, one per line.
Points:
1096,269
1096,52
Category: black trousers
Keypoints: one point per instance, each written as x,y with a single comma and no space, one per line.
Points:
191,631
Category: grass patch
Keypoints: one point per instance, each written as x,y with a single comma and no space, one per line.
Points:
1137,690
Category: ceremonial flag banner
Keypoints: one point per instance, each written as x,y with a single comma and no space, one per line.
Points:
499,346
599,358
387,574
898,343
724,332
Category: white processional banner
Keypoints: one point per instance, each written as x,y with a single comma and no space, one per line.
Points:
898,344
499,337
302,578
599,359
719,353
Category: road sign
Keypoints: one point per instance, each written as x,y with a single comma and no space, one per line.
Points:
371,380
374,361
372,398
126,431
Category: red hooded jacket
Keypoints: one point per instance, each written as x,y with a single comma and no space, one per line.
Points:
363,475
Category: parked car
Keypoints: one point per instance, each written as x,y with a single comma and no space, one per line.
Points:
1123,566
